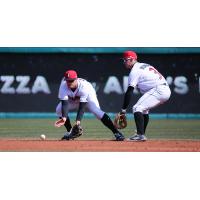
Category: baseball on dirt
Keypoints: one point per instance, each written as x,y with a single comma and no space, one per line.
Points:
42,137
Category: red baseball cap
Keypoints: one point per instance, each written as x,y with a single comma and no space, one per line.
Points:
130,54
70,75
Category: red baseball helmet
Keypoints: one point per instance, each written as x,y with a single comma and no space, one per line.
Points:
70,75
130,54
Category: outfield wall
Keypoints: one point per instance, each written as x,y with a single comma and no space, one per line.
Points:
29,82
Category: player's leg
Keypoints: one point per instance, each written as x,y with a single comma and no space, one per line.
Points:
146,120
141,120
67,124
93,107
152,99
148,101
164,94
109,124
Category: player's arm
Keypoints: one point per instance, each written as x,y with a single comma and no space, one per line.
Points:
127,98
80,112
120,119
64,109
132,82
83,102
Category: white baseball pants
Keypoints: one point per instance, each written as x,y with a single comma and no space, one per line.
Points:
152,98
92,106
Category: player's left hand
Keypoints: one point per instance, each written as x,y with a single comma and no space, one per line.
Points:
60,122
76,131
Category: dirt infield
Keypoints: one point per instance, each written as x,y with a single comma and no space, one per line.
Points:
99,146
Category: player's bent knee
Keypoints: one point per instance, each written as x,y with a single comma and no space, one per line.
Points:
146,112
96,110
138,109
99,114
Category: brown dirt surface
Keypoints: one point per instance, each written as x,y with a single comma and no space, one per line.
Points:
14,145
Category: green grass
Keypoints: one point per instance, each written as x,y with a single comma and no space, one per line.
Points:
94,129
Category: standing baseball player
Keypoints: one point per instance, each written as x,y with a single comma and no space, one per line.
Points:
78,93
151,84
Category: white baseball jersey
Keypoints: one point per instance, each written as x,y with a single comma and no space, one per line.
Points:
83,93
151,83
145,77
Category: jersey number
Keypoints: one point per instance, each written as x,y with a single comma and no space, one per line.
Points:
155,72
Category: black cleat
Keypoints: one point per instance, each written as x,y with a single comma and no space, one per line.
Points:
119,136
67,136
70,136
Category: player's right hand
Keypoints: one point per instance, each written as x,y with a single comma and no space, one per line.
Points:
60,122
120,121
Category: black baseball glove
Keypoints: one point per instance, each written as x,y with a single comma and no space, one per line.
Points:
76,131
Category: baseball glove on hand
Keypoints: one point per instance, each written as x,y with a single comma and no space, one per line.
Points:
76,131
120,121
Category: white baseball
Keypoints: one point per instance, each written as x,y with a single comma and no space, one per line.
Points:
42,137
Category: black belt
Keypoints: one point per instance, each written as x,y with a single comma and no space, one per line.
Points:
163,84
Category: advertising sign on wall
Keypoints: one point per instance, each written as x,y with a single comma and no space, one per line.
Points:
29,82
